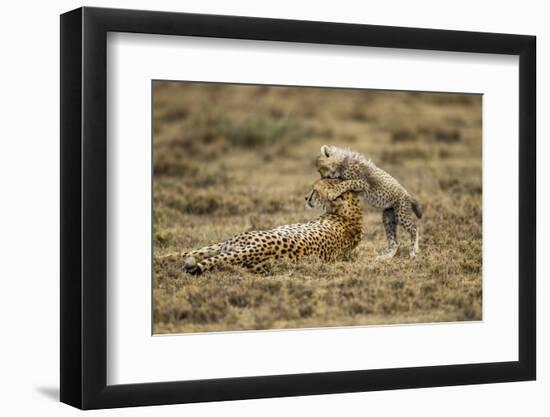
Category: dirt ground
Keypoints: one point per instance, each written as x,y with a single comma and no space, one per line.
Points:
229,158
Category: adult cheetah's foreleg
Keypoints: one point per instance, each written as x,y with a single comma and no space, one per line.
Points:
345,186
405,217
390,227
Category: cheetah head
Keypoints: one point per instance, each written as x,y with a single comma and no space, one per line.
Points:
330,161
318,196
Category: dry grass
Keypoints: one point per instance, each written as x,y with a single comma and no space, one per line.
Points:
235,158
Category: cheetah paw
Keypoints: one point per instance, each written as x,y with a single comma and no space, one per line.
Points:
194,270
387,254
413,252
331,195
189,262
191,266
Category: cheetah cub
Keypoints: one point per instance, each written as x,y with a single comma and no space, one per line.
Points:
331,236
379,189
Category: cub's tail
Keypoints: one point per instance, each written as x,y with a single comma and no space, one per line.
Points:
416,208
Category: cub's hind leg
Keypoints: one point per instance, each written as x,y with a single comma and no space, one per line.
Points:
405,218
390,227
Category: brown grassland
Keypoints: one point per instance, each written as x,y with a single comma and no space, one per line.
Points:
229,158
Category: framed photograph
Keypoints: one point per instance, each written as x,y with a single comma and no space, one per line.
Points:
259,208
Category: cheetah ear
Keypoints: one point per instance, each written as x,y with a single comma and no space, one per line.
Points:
324,150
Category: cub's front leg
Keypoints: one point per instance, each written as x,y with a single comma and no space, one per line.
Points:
347,185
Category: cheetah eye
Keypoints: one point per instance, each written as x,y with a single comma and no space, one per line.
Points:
326,152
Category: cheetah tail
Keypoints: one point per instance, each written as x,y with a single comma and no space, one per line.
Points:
416,208
170,255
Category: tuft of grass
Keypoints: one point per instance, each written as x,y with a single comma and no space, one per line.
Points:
163,237
447,136
407,153
261,130
253,130
403,135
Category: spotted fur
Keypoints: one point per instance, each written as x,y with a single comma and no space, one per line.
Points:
379,189
331,236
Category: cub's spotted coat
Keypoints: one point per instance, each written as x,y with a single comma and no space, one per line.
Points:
379,189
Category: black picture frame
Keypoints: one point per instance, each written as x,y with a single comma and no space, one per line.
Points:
84,207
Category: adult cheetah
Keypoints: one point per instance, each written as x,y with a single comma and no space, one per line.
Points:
331,236
379,189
